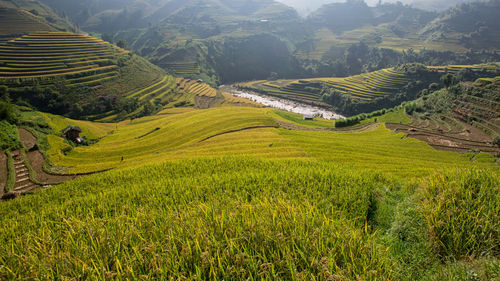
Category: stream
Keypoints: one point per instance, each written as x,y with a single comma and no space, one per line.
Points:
283,104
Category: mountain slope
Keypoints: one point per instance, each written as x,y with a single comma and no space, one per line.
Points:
19,17
475,25
112,16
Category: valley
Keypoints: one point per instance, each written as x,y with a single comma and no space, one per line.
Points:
245,140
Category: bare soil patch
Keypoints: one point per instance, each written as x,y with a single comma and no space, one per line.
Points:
37,161
27,138
206,102
470,139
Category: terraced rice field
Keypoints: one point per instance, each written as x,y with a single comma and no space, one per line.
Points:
183,68
202,90
364,87
159,90
370,85
457,68
41,57
244,131
471,125
18,21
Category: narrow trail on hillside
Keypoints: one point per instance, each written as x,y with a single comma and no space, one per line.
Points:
24,182
470,139
235,131
357,129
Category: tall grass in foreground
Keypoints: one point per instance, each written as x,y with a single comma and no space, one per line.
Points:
462,212
242,218
229,218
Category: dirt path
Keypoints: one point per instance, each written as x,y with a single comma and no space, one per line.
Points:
235,131
37,161
27,138
206,102
295,127
471,139
24,184
3,172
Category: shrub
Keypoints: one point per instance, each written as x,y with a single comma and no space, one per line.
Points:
9,137
496,141
462,211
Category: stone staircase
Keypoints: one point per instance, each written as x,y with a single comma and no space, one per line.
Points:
23,182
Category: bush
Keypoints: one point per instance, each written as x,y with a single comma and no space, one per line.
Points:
496,141
9,138
462,211
8,112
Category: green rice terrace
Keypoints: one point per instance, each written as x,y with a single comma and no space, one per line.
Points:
102,71
182,68
41,57
472,122
365,87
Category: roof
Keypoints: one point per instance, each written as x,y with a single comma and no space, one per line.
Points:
308,116
71,128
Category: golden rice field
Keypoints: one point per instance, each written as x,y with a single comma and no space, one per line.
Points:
365,86
223,193
233,130
457,68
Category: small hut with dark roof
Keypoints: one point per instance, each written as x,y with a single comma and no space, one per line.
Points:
308,117
72,133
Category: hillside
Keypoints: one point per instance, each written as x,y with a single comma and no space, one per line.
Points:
85,77
474,25
224,42
227,185
354,94
127,161
18,17
460,118
110,17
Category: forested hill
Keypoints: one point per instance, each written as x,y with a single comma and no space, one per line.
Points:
226,41
112,16
475,25
340,17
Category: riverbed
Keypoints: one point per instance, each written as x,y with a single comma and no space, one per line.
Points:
283,104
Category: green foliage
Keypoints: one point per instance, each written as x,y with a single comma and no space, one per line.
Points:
11,172
8,112
462,211
448,80
392,115
496,141
9,137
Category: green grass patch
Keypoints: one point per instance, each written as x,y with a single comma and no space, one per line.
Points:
398,116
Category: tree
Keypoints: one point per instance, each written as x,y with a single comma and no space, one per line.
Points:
273,76
448,80
496,141
4,93
121,44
